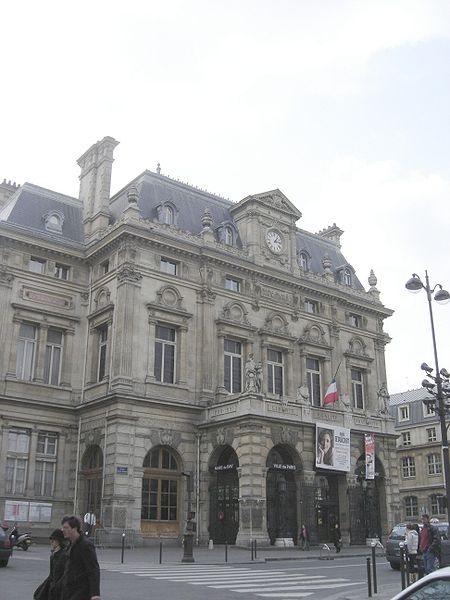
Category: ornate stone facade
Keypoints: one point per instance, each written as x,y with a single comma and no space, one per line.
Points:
169,350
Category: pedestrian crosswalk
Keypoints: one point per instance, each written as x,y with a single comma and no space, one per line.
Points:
276,583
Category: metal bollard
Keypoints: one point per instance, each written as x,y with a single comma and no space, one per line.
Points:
226,551
123,546
402,565
420,566
251,552
374,570
369,579
160,552
255,549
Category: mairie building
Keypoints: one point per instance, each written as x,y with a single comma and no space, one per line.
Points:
166,351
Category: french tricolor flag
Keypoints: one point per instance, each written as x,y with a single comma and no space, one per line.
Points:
332,394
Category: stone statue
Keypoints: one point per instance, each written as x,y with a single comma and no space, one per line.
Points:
346,401
250,374
383,400
303,394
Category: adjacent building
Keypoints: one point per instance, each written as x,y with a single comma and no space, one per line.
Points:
419,451
165,351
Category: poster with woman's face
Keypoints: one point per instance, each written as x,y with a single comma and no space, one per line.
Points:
332,447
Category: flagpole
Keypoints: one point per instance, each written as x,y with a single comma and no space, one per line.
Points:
337,370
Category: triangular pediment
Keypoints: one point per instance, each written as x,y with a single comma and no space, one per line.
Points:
274,199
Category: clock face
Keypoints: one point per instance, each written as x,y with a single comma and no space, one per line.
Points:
274,241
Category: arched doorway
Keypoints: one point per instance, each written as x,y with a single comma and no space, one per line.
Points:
326,505
281,495
92,477
365,503
160,507
224,497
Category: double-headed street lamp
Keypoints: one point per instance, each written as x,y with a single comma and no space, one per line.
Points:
440,388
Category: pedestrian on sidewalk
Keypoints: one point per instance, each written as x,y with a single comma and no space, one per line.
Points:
430,545
412,545
81,579
304,538
90,522
337,538
51,588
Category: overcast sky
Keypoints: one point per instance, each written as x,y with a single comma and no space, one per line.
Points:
342,105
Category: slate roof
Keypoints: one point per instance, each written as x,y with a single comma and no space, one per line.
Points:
28,206
190,202
408,396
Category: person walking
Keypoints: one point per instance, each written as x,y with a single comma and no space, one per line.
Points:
304,538
90,522
81,580
412,546
50,589
337,538
430,545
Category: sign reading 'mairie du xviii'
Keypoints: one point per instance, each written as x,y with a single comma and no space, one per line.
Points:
332,447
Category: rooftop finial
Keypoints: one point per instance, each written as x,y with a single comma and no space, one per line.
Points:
158,169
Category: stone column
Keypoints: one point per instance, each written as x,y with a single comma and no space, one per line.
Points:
3,454
251,451
220,388
152,322
13,340
6,283
67,359
289,374
205,298
129,280
182,356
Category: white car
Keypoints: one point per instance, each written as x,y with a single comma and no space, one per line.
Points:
435,586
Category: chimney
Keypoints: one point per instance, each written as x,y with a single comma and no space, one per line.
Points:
95,184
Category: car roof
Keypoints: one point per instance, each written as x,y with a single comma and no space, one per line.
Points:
439,574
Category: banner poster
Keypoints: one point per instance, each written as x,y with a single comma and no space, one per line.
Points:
332,447
370,455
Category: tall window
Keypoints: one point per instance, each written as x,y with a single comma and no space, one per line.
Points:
165,345
347,277
167,215
303,261
431,434
160,486
17,460
406,438
274,372
44,478
232,284
357,388
233,366
313,381
311,306
36,265
102,351
437,504
355,320
53,353
228,236
403,413
168,266
411,506
26,351
434,464
61,271
428,409
408,467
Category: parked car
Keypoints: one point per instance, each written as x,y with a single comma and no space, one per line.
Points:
5,548
397,535
435,586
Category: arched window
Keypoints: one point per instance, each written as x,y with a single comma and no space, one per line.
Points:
303,261
228,236
160,486
347,277
167,215
411,506
92,472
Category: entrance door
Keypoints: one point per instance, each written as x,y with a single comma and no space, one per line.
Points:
327,507
224,502
281,495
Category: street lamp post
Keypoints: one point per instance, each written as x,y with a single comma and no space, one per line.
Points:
440,389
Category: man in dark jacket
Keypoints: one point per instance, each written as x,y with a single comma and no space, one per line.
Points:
81,579
430,545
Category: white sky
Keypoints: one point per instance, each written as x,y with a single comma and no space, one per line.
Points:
342,105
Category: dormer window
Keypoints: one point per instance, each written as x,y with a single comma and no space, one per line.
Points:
303,261
346,277
54,221
228,236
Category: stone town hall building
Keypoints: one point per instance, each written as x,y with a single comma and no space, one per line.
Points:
165,347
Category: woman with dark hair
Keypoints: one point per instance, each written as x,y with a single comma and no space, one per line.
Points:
50,589
325,447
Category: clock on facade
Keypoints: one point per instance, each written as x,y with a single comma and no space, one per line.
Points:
274,241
